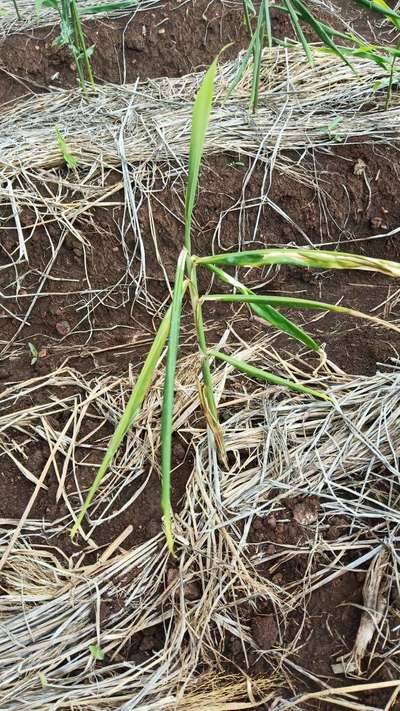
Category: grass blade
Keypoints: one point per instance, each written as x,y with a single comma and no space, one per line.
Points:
169,396
266,376
295,303
299,32
313,258
200,118
318,28
135,401
267,312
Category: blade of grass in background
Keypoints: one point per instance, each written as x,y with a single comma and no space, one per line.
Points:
298,30
135,402
107,7
72,35
169,396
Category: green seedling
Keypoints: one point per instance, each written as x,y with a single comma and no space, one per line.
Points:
69,159
34,353
96,652
265,307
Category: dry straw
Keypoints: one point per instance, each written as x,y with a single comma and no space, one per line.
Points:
346,453
142,132
28,18
299,107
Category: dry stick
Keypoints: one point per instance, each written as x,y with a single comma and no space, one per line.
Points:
343,690
37,488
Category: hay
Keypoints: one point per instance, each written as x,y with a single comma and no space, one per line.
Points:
9,23
142,132
280,445
150,120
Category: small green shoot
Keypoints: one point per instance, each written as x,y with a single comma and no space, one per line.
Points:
69,159
34,352
96,652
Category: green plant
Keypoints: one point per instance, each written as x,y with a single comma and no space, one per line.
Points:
96,652
34,352
69,159
259,27
263,306
17,12
72,35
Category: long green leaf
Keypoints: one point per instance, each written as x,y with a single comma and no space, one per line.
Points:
169,396
299,32
200,118
314,258
383,9
267,312
266,376
265,9
135,401
319,29
293,302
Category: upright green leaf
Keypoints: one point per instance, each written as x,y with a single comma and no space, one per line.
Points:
200,118
169,396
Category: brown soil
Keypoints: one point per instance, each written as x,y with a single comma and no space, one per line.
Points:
116,335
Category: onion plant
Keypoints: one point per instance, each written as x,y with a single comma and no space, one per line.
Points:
72,34
266,307
259,26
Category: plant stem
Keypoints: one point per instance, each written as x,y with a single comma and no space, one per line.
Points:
80,40
16,10
390,85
